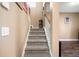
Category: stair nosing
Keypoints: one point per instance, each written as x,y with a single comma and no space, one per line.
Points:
37,46
37,35
37,51
33,49
37,40
37,31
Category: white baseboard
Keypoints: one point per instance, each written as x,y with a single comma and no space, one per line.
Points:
68,39
48,42
25,44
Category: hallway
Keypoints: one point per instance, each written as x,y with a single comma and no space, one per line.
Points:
34,29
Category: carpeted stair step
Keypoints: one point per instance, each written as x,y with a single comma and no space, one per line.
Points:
36,47
36,37
37,33
37,30
37,43
37,54
36,40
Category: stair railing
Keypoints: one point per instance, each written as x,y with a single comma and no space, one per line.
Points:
47,28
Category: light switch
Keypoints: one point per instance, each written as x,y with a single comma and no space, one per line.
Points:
4,31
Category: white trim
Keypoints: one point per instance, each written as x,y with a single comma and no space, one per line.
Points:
68,39
48,42
25,42
47,29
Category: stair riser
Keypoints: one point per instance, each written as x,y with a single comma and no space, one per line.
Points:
37,48
34,41
37,30
36,51
37,33
41,44
37,37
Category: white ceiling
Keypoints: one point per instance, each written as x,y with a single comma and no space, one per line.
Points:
68,7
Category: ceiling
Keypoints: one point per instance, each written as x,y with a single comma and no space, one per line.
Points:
69,7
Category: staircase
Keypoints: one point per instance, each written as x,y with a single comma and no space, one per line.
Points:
37,45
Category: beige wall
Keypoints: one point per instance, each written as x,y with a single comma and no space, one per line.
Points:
17,21
48,14
69,31
55,30
61,30
36,14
